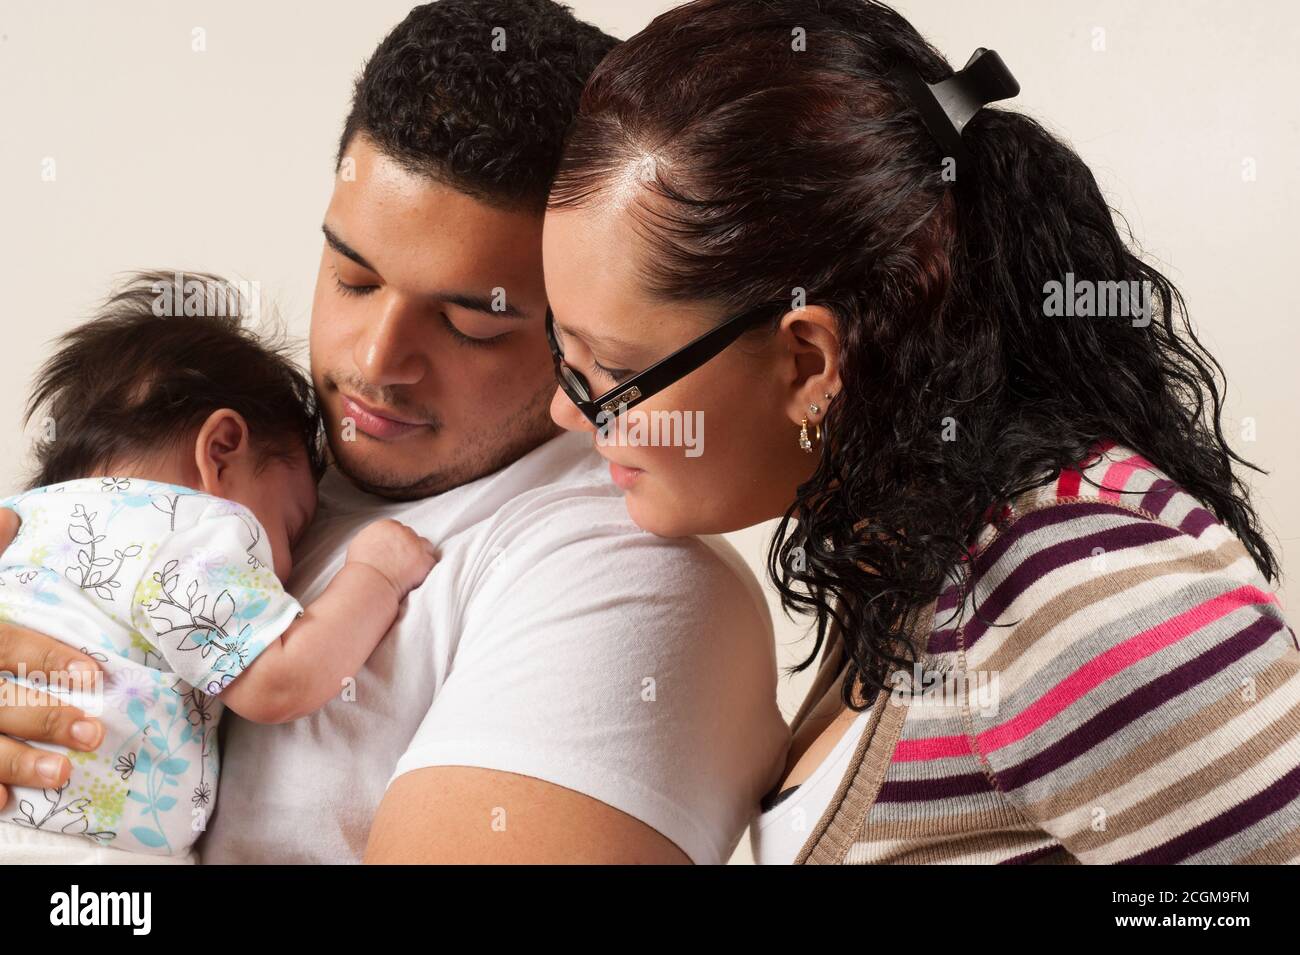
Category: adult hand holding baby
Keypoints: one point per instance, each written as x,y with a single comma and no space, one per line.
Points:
35,715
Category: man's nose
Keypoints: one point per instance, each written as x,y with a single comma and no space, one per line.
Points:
566,414
386,353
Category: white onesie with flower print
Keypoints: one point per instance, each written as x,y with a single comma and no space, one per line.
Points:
172,591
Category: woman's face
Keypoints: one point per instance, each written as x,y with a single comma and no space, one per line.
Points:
733,457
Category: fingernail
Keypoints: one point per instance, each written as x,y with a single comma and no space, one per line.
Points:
49,767
80,666
84,731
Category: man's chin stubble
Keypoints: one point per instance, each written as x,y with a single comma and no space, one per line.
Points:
521,432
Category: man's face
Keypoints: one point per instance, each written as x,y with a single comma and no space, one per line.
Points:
428,348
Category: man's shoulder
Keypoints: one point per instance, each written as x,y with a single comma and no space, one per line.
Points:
553,520
582,528
564,504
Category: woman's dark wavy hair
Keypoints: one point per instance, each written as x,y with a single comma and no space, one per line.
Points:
778,167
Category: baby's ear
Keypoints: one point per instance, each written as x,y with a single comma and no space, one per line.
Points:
221,449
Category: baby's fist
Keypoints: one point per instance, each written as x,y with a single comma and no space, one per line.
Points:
396,551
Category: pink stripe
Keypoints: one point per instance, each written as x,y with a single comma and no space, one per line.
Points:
1117,476
936,747
1118,658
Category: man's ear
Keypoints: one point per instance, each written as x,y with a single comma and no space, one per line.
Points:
221,448
812,338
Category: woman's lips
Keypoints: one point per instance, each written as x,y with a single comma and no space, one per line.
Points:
624,477
377,424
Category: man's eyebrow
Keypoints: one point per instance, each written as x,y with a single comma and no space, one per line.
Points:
467,300
479,303
345,250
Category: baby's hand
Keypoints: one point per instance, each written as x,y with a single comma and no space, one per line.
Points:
396,551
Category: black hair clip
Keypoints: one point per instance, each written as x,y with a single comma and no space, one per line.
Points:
946,107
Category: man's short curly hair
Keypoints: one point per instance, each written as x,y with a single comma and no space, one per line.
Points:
479,94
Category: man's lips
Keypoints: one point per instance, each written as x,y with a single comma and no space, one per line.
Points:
376,422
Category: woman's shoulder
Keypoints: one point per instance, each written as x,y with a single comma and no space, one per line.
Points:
1114,549
1114,479
1139,665
1113,502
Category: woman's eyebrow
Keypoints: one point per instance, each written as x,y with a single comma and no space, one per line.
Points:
605,341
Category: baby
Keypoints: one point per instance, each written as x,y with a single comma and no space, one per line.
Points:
179,470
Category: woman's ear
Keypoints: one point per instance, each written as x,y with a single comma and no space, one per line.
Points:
812,337
222,451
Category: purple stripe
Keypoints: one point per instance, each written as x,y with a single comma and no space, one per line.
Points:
1197,520
943,641
1047,559
1228,823
1158,496
1045,517
1139,703
943,787
948,600
1025,858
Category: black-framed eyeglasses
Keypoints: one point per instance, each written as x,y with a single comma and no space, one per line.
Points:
654,379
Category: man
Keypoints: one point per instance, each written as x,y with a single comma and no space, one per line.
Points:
563,687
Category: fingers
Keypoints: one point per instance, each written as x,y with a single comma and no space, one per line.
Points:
33,714
425,544
22,765
23,649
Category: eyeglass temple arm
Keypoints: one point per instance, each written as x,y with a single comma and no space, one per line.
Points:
682,362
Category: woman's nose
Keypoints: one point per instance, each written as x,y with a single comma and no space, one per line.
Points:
566,414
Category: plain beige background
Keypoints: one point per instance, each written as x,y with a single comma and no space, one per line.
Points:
222,160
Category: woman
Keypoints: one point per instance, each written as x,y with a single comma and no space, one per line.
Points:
1041,589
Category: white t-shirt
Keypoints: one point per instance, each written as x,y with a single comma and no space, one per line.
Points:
553,639
778,835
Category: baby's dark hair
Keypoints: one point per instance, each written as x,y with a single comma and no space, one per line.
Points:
164,352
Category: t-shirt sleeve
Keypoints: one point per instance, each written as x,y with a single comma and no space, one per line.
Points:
209,602
636,670
1149,701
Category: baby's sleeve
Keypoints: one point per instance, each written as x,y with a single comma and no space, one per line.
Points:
209,601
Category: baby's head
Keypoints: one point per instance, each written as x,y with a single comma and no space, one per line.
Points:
146,390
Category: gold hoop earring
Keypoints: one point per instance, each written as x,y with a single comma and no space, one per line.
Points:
806,442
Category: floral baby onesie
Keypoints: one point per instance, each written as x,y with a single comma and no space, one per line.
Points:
173,593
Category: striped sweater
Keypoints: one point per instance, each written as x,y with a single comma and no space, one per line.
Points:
1110,682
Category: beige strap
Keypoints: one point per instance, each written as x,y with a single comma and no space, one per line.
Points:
828,672
846,815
